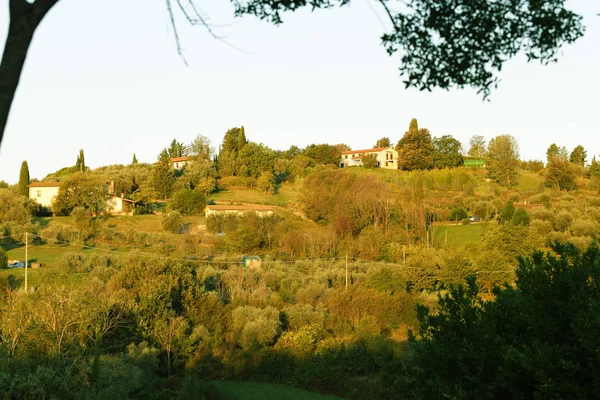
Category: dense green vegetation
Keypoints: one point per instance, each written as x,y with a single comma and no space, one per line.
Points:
357,285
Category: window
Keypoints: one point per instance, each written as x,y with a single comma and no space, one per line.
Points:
346,156
38,193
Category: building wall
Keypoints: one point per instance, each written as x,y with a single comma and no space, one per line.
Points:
260,213
387,158
43,195
114,205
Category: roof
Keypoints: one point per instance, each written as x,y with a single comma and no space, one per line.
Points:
177,159
375,150
45,184
255,207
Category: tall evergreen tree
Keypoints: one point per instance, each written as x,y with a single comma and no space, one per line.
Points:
578,156
176,149
242,141
80,163
135,160
163,176
415,149
594,168
24,180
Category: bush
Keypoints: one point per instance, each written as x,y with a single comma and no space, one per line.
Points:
520,217
563,221
74,262
173,222
3,258
584,227
188,202
514,197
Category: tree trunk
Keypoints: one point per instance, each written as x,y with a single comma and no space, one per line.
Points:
24,19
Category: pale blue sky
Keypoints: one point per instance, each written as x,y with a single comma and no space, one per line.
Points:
105,76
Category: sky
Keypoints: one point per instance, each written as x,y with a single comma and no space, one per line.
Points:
104,76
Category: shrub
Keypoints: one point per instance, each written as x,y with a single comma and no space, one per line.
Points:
563,221
520,217
74,262
173,222
584,227
188,202
514,197
541,227
542,214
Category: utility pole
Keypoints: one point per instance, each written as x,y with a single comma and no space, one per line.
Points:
26,258
346,271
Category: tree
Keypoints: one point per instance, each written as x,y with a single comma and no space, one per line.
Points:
201,148
233,142
135,160
80,163
176,149
253,159
447,152
323,154
384,142
415,149
578,156
555,151
560,173
532,341
369,161
503,160
173,222
435,53
23,186
477,147
163,176
80,190
594,168
188,202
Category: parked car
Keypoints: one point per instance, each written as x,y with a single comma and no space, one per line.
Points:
15,264
473,218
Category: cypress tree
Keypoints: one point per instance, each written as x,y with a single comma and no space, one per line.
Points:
81,159
163,176
414,125
135,160
24,180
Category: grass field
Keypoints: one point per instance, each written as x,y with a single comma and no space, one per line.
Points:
457,235
286,194
258,391
528,183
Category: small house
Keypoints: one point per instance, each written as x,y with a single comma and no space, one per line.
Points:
44,192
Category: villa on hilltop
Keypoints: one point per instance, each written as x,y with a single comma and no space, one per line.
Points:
387,157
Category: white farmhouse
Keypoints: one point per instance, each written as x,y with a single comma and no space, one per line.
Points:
44,192
387,157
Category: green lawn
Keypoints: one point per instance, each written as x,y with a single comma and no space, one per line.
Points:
286,194
457,235
258,391
528,183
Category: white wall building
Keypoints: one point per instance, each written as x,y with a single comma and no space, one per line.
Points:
44,192
387,157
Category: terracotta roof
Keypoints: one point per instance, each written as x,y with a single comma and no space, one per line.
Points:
177,159
375,150
45,184
239,207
